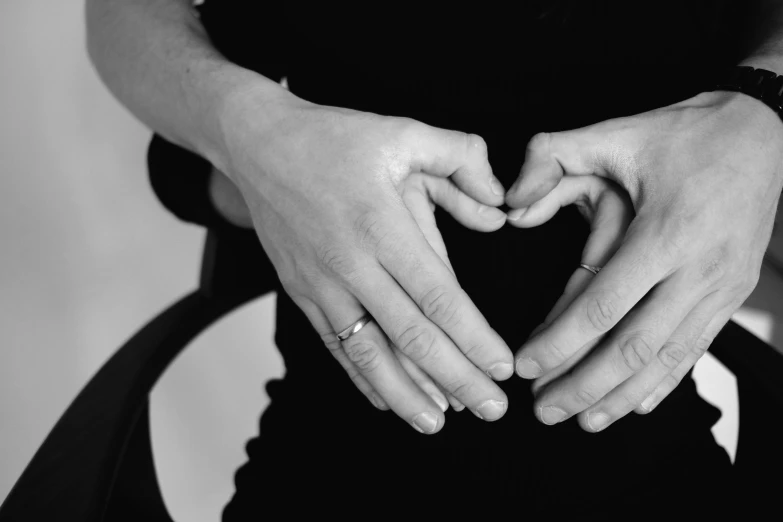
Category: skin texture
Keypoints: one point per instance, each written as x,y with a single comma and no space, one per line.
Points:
342,202
704,177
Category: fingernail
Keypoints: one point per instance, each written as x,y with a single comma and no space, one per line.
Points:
597,421
491,410
516,214
649,403
442,403
425,422
552,415
500,371
528,368
496,187
491,214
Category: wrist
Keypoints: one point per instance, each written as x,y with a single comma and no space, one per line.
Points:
740,107
235,103
752,85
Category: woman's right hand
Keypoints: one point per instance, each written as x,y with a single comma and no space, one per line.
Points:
342,202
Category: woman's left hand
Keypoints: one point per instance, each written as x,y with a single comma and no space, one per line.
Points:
704,177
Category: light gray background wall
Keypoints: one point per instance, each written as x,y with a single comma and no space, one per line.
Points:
87,256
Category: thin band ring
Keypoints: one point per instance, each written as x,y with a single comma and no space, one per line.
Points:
355,327
591,268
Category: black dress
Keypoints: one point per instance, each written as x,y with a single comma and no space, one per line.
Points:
504,74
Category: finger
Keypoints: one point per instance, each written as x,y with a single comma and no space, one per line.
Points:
602,202
639,264
680,357
687,355
422,192
631,393
539,175
458,155
422,380
464,209
627,352
369,351
589,150
427,345
410,260
609,211
423,211
332,343
455,404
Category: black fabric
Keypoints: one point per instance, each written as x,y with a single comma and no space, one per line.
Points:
503,74
180,180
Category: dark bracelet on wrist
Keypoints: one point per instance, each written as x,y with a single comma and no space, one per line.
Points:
759,83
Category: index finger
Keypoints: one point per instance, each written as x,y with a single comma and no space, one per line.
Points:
427,345
410,260
635,269
459,155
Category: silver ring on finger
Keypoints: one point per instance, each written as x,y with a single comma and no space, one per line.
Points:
354,328
591,268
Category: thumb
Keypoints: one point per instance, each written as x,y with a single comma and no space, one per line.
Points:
550,156
460,156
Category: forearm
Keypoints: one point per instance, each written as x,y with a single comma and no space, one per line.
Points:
156,58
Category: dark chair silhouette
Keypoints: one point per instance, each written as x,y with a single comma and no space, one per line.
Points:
96,464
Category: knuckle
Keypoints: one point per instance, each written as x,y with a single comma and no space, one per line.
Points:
459,389
636,353
585,397
476,143
672,354
556,351
539,142
370,230
336,260
440,305
417,342
331,341
364,354
714,265
670,382
409,131
602,311
475,352
702,344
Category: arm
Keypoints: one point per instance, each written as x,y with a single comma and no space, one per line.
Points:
340,201
156,58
